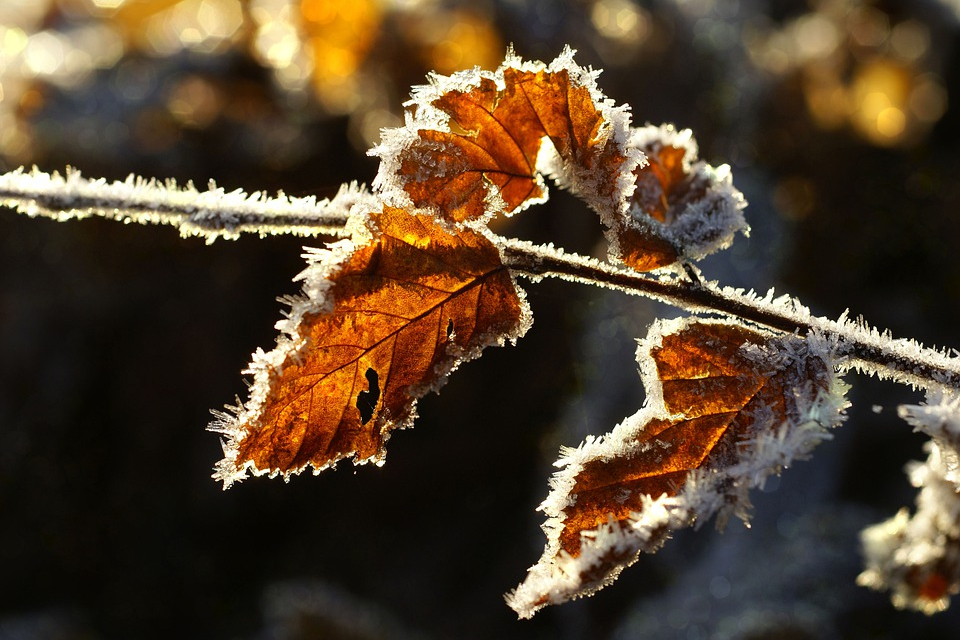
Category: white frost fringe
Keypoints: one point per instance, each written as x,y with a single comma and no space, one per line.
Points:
317,277
586,183
705,224
557,578
918,558
211,214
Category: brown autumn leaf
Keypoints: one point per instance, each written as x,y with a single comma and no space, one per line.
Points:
727,407
712,387
496,126
681,207
641,248
387,321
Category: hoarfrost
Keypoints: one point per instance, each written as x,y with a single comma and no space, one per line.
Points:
590,183
818,404
211,214
865,349
608,197
918,557
939,418
317,277
704,211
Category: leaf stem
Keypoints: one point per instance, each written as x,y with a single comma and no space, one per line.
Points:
862,347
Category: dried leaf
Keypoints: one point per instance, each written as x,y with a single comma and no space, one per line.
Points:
728,406
681,207
661,178
477,148
706,381
384,322
641,248
497,146
917,557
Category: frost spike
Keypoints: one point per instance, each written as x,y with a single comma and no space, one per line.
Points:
210,214
726,408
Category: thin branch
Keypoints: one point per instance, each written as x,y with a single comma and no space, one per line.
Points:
211,214
865,348
216,213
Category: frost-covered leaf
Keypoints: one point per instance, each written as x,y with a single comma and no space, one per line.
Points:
471,144
681,207
386,317
727,406
917,557
939,418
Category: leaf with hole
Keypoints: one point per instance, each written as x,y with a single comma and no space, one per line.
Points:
387,316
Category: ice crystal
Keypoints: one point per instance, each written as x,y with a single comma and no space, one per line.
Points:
211,214
816,403
918,557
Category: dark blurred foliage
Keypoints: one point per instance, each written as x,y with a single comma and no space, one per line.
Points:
838,118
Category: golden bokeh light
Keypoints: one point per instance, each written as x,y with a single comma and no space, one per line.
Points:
621,20
928,99
858,69
910,40
460,39
319,53
276,43
878,95
195,102
340,34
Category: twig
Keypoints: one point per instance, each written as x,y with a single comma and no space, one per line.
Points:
211,214
866,349
216,213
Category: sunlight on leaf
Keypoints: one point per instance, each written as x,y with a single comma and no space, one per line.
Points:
495,141
383,324
474,141
681,207
727,407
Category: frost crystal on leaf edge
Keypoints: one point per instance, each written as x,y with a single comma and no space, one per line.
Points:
557,577
917,557
318,278
422,114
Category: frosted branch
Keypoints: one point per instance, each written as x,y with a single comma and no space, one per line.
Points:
211,214
860,346
216,213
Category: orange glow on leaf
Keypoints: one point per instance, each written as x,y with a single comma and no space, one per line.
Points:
712,389
659,184
681,207
659,180
934,588
407,308
495,138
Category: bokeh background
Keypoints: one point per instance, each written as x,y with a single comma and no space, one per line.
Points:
839,118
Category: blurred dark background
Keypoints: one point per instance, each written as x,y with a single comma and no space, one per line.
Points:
840,121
